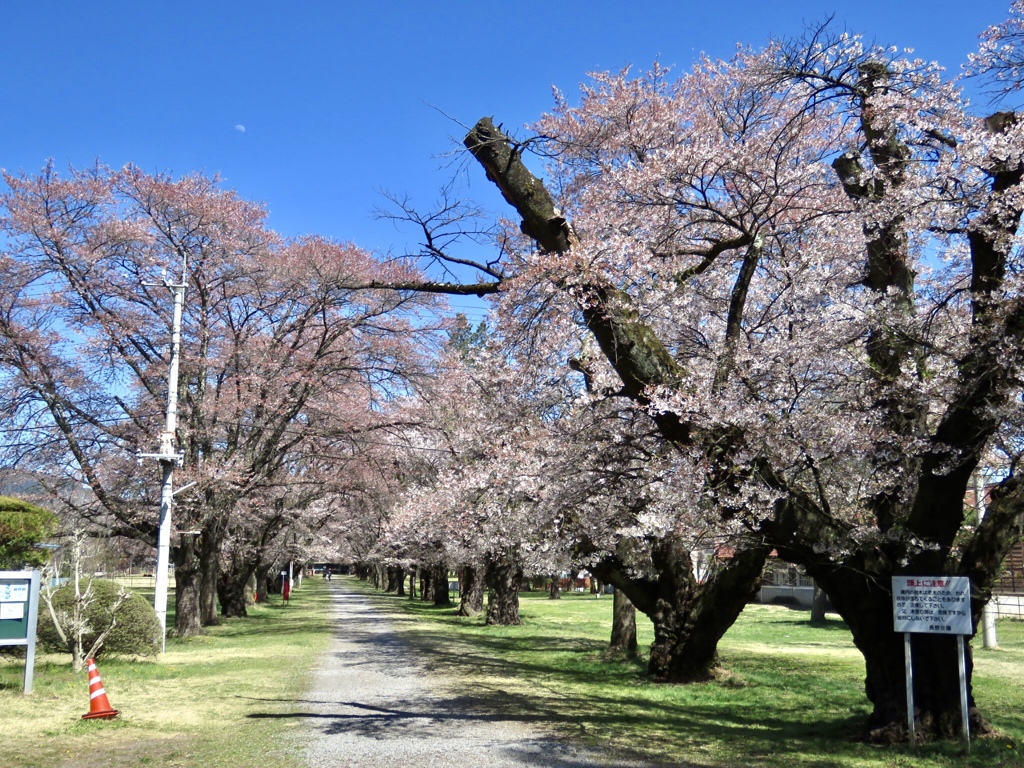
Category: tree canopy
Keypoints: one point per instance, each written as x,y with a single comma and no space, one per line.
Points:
23,527
803,266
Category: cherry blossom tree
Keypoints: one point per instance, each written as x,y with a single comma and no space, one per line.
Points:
731,206
802,267
280,357
481,501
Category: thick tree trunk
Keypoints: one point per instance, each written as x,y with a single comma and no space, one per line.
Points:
818,605
623,625
400,578
471,593
555,588
864,600
209,565
263,583
859,588
394,576
442,598
186,587
426,585
233,586
503,578
413,578
250,589
380,576
689,617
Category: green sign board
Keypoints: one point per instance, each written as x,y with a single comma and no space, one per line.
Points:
14,613
19,606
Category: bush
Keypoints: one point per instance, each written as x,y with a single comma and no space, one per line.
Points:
23,527
137,631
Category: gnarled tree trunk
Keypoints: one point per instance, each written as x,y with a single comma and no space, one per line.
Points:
818,605
426,585
623,625
555,588
186,587
209,566
233,585
689,617
394,576
503,577
866,605
689,620
263,582
380,576
440,581
471,592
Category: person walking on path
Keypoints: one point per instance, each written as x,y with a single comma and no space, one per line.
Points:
373,704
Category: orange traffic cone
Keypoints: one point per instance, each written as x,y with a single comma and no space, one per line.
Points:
99,707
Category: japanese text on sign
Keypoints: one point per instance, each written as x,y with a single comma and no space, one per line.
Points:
937,604
14,593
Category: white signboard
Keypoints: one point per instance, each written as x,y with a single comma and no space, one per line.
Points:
937,604
12,611
14,593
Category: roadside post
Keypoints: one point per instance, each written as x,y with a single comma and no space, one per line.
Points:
933,605
19,611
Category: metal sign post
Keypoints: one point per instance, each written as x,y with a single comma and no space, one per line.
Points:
19,611
933,605
909,667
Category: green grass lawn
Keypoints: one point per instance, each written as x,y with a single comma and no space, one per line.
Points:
791,694
193,707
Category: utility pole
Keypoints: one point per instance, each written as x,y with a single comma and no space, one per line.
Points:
168,459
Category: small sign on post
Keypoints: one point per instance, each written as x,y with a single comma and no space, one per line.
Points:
19,608
934,605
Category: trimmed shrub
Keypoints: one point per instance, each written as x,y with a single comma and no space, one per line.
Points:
23,527
136,633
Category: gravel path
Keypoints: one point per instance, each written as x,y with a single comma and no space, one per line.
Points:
373,704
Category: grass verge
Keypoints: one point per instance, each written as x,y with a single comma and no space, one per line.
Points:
190,708
790,694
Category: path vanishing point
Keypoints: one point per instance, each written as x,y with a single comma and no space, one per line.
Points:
375,702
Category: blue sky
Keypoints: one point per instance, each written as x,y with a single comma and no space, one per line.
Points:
339,100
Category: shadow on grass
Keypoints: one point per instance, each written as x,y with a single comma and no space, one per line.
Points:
570,689
307,615
831,625
694,727
788,707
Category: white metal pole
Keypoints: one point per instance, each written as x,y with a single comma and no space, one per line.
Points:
988,612
963,693
30,636
168,458
909,667
163,551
